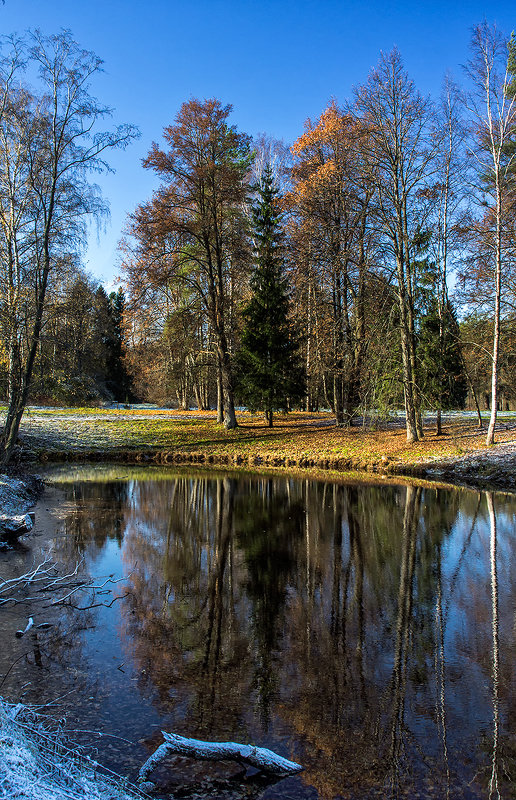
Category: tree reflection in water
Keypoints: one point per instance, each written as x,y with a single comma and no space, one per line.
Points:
493,781
346,626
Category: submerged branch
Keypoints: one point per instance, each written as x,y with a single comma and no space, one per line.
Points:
54,589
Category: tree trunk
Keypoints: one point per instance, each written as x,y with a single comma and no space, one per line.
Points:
220,395
408,386
496,331
411,333
18,399
338,346
198,398
338,400
308,405
227,390
407,360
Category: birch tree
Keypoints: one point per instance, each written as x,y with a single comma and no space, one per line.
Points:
492,105
52,197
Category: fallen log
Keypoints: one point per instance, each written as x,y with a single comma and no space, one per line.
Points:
259,757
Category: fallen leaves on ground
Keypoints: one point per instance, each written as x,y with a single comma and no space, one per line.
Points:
295,438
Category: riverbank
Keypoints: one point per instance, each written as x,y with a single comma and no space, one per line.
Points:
298,442
488,468
17,495
36,763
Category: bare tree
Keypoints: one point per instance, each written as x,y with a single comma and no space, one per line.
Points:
448,198
195,223
492,104
401,153
330,227
45,193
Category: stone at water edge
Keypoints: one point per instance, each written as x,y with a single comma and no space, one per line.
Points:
17,525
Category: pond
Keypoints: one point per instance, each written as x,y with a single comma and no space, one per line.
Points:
366,631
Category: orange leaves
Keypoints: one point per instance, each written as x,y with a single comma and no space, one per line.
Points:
334,129
320,180
327,156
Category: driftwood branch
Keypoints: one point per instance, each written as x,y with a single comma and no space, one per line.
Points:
53,589
30,623
259,757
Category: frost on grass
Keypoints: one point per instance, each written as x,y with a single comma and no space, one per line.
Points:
36,764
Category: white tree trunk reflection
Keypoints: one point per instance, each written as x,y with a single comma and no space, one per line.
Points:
493,782
440,670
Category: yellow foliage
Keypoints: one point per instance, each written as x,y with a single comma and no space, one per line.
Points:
3,356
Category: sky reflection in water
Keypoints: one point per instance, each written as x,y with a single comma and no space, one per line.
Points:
367,632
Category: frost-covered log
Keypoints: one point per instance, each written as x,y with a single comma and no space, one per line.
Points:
259,757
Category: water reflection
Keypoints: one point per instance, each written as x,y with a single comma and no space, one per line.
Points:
365,631
493,782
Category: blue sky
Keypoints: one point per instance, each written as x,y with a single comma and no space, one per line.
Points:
276,61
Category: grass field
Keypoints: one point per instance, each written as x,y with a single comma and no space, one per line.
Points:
296,440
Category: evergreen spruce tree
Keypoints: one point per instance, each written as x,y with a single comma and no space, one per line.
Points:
443,378
119,380
270,372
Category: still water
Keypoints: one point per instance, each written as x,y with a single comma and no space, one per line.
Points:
367,632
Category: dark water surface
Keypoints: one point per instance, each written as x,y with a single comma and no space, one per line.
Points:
367,632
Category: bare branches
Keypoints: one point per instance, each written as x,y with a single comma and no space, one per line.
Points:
492,104
49,146
44,584
402,152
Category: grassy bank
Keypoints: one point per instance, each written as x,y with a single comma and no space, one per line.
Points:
297,441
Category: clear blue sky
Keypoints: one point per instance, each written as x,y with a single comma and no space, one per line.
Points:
276,61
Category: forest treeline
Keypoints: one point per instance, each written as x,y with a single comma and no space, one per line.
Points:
378,208
369,266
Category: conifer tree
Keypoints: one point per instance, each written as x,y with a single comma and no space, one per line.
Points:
119,380
441,364
271,376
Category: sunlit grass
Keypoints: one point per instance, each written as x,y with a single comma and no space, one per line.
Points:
299,438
